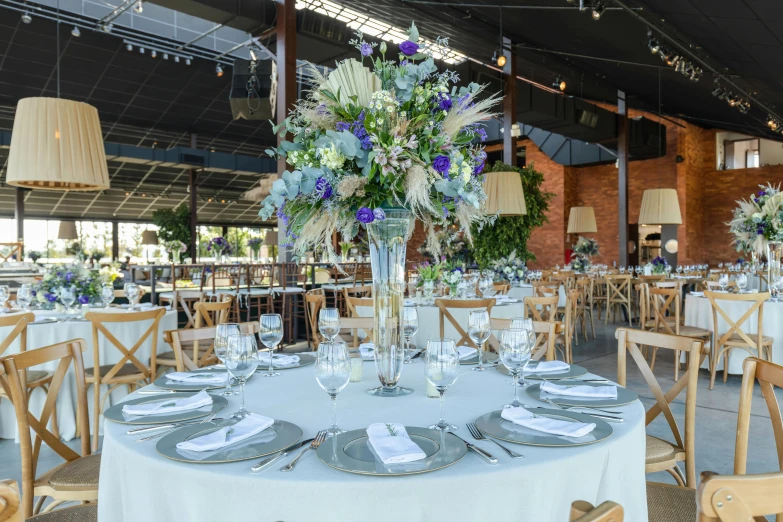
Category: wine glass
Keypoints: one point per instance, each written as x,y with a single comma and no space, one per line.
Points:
67,297
723,281
525,323
515,350
132,294
271,333
333,371
329,323
410,325
775,286
107,295
222,332
5,294
442,367
742,282
24,296
622,269
479,331
241,362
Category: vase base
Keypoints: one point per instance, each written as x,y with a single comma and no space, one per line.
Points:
397,391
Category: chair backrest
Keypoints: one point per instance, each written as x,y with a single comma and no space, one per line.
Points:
546,288
586,286
355,324
649,279
668,284
618,288
352,302
735,327
33,430
566,280
100,319
582,511
629,341
195,338
19,322
314,301
739,498
224,277
666,306
501,288
259,275
357,291
546,335
444,312
9,502
645,306
213,313
541,308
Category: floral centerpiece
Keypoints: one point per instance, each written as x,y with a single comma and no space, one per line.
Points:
580,263
255,245
659,265
109,273
34,256
85,283
451,277
758,220
428,272
175,249
511,268
586,246
219,246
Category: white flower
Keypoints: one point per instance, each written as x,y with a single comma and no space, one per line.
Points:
331,157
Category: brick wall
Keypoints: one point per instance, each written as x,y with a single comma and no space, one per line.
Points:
548,242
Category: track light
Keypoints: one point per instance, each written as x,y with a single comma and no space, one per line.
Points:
653,44
253,55
187,61
733,100
498,58
26,18
598,9
218,70
106,28
165,56
153,53
176,59
559,83
141,50
129,47
138,7
75,32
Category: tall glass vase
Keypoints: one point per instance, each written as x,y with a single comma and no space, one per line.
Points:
774,254
388,239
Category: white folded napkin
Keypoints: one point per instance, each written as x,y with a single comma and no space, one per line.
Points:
393,449
591,392
548,367
167,406
466,352
410,302
223,437
523,417
367,350
278,359
197,378
697,294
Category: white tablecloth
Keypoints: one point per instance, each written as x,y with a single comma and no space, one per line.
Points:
44,334
139,484
698,312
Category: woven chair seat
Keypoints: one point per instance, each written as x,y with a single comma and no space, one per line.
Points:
84,513
737,340
80,473
666,503
693,331
166,356
36,375
126,370
658,450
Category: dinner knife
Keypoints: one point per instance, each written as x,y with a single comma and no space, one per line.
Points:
607,418
280,454
478,451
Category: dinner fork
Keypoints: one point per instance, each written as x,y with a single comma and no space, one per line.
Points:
167,426
608,418
476,433
206,419
319,438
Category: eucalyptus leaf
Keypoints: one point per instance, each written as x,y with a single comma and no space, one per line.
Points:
413,33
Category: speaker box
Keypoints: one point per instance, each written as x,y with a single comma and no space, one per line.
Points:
250,92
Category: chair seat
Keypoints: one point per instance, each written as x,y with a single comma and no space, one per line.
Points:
737,340
332,286
183,294
35,376
84,513
80,473
255,291
288,290
667,503
693,331
650,323
658,450
167,356
127,370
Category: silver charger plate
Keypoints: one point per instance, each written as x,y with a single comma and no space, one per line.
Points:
496,426
305,359
574,371
114,413
283,434
351,452
489,358
624,396
163,382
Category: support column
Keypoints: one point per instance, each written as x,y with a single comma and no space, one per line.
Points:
19,216
509,104
193,207
622,177
286,91
115,241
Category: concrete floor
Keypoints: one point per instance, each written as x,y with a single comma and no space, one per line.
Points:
716,415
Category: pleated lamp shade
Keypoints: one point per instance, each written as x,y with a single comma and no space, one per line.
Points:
660,207
271,238
581,220
505,194
149,237
57,145
67,231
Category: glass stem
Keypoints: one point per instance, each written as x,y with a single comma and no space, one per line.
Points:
228,380
480,355
271,353
334,412
515,389
242,392
442,421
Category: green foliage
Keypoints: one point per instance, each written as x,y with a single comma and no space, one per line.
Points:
173,224
511,233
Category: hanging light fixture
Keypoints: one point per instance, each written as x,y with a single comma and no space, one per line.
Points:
67,231
139,8
75,32
499,57
581,220
598,9
660,207
26,18
504,194
219,70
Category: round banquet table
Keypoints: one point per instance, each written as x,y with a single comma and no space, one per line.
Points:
139,484
698,312
43,333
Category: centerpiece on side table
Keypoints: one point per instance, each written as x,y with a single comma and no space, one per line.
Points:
582,257
511,269
220,247
429,273
379,148
659,265
175,249
255,246
86,284
758,227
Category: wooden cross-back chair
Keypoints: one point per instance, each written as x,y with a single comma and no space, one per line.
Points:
582,511
314,301
444,312
662,455
546,288
342,276
714,286
618,295
733,498
501,288
734,337
187,345
15,252
567,280
77,478
129,370
354,324
184,297
541,308
356,291
546,335
34,378
569,314
584,310
351,304
257,292
11,509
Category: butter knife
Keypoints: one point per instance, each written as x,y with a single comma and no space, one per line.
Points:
277,456
478,451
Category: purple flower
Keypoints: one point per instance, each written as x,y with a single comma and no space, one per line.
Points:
478,169
403,63
445,212
379,214
365,215
409,48
69,276
323,188
442,164
50,297
83,299
365,49
482,133
342,126
444,101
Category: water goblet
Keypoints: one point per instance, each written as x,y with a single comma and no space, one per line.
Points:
742,282
220,346
329,323
241,362
723,281
333,371
107,295
441,369
479,331
515,351
24,296
271,333
5,294
132,294
67,298
410,325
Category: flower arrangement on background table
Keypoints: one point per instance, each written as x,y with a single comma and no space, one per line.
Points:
109,273
586,246
219,246
175,249
255,245
451,277
34,256
580,263
758,220
659,265
511,268
86,284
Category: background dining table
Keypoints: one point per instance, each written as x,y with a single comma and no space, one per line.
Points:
49,328
137,483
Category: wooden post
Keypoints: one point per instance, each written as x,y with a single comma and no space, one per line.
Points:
19,216
115,241
286,91
509,104
622,177
193,207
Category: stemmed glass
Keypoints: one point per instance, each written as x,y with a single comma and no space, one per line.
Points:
723,281
5,294
333,371
742,282
132,294
107,295
329,323
222,333
487,287
24,296
622,270
410,325
515,351
271,333
479,331
525,323
775,286
442,367
241,362
67,297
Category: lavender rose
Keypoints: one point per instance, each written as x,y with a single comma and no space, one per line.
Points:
323,188
83,299
366,49
379,214
409,48
365,215
444,101
442,164
341,126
